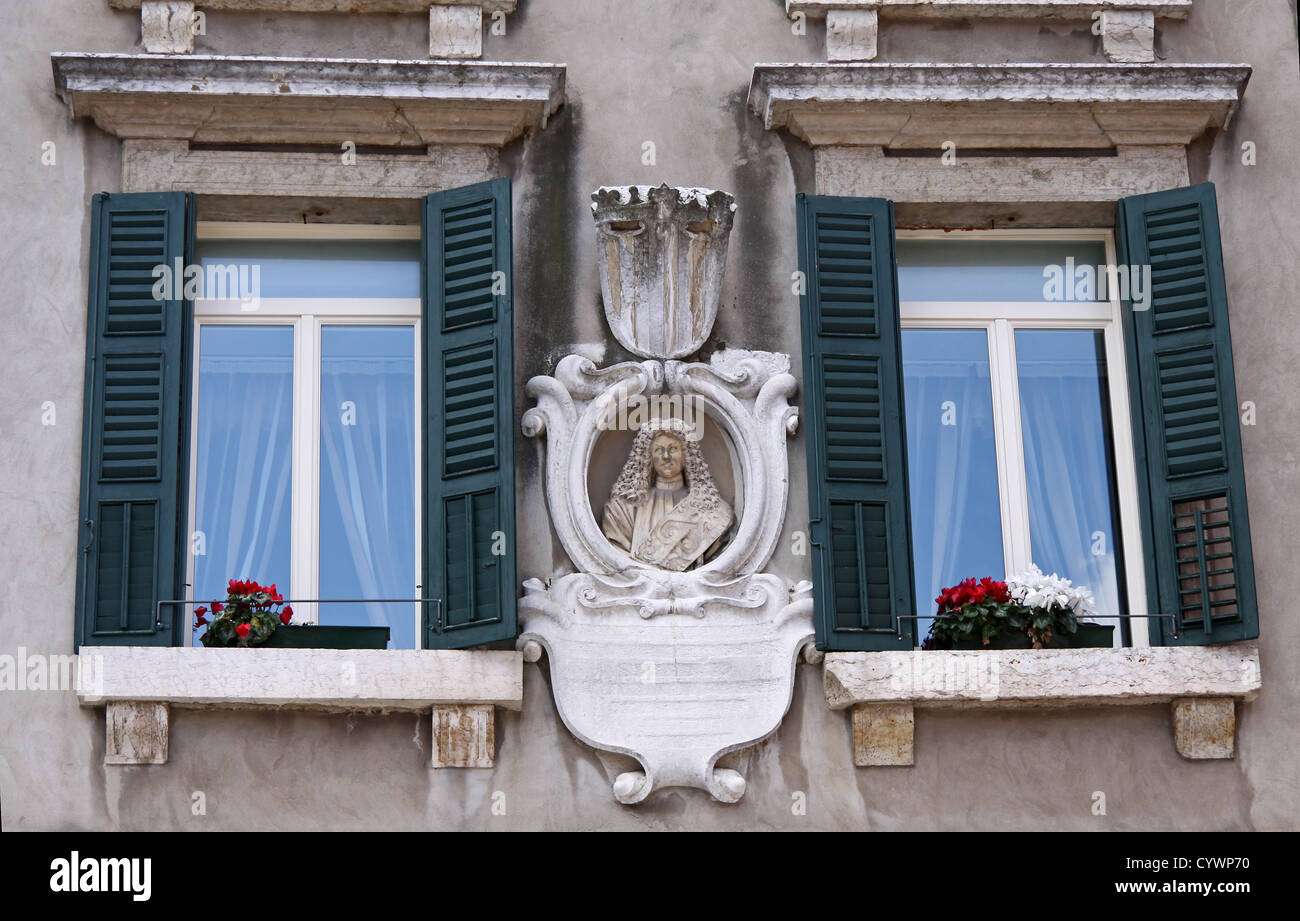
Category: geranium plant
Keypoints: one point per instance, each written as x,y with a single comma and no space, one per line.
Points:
249,616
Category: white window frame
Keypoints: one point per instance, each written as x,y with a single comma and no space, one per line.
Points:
1000,320
308,316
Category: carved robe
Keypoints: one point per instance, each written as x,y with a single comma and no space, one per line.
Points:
665,530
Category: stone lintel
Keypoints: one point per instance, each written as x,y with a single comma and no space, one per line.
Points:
135,733
243,184
309,101
1068,10
1205,728
882,734
983,190
996,106
463,736
333,6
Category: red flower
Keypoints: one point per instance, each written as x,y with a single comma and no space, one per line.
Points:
243,630
199,620
968,591
286,615
217,607
200,610
288,610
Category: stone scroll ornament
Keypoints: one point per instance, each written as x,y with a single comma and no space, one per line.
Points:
668,643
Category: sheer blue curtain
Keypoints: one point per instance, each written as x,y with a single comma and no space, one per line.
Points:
951,461
368,516
243,457
1069,460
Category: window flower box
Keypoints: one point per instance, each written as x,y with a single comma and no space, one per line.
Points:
1089,636
315,636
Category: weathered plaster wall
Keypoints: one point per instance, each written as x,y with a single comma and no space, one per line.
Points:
675,73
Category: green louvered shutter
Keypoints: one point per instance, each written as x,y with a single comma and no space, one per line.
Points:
469,470
1186,433
853,415
135,436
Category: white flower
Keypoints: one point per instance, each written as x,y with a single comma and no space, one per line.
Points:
1033,589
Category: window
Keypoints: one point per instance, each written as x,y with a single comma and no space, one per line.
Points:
306,421
1092,434
361,377
1018,431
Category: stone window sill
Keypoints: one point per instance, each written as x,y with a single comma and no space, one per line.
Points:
1202,684
138,685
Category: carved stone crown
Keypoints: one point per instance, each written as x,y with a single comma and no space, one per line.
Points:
661,253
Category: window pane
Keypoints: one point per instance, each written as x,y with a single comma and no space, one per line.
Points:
367,477
243,456
951,461
989,270
1069,460
315,268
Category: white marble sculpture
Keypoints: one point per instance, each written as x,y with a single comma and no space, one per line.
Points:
664,508
678,651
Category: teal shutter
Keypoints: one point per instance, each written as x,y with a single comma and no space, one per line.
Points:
853,422
469,470
135,433
1188,443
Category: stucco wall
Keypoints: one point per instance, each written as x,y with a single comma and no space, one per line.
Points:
675,73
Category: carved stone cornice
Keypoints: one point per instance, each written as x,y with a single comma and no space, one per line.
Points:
1017,106
308,101
333,6
985,9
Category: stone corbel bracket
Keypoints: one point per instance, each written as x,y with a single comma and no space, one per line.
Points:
138,686
1127,27
1202,684
455,26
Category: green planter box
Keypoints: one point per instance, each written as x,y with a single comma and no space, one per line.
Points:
1090,636
297,636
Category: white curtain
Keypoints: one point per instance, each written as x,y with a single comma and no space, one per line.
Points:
952,471
243,458
367,483
1067,439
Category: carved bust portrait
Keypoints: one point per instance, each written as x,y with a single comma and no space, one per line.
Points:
664,509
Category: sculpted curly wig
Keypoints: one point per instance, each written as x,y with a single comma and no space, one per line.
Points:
634,482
